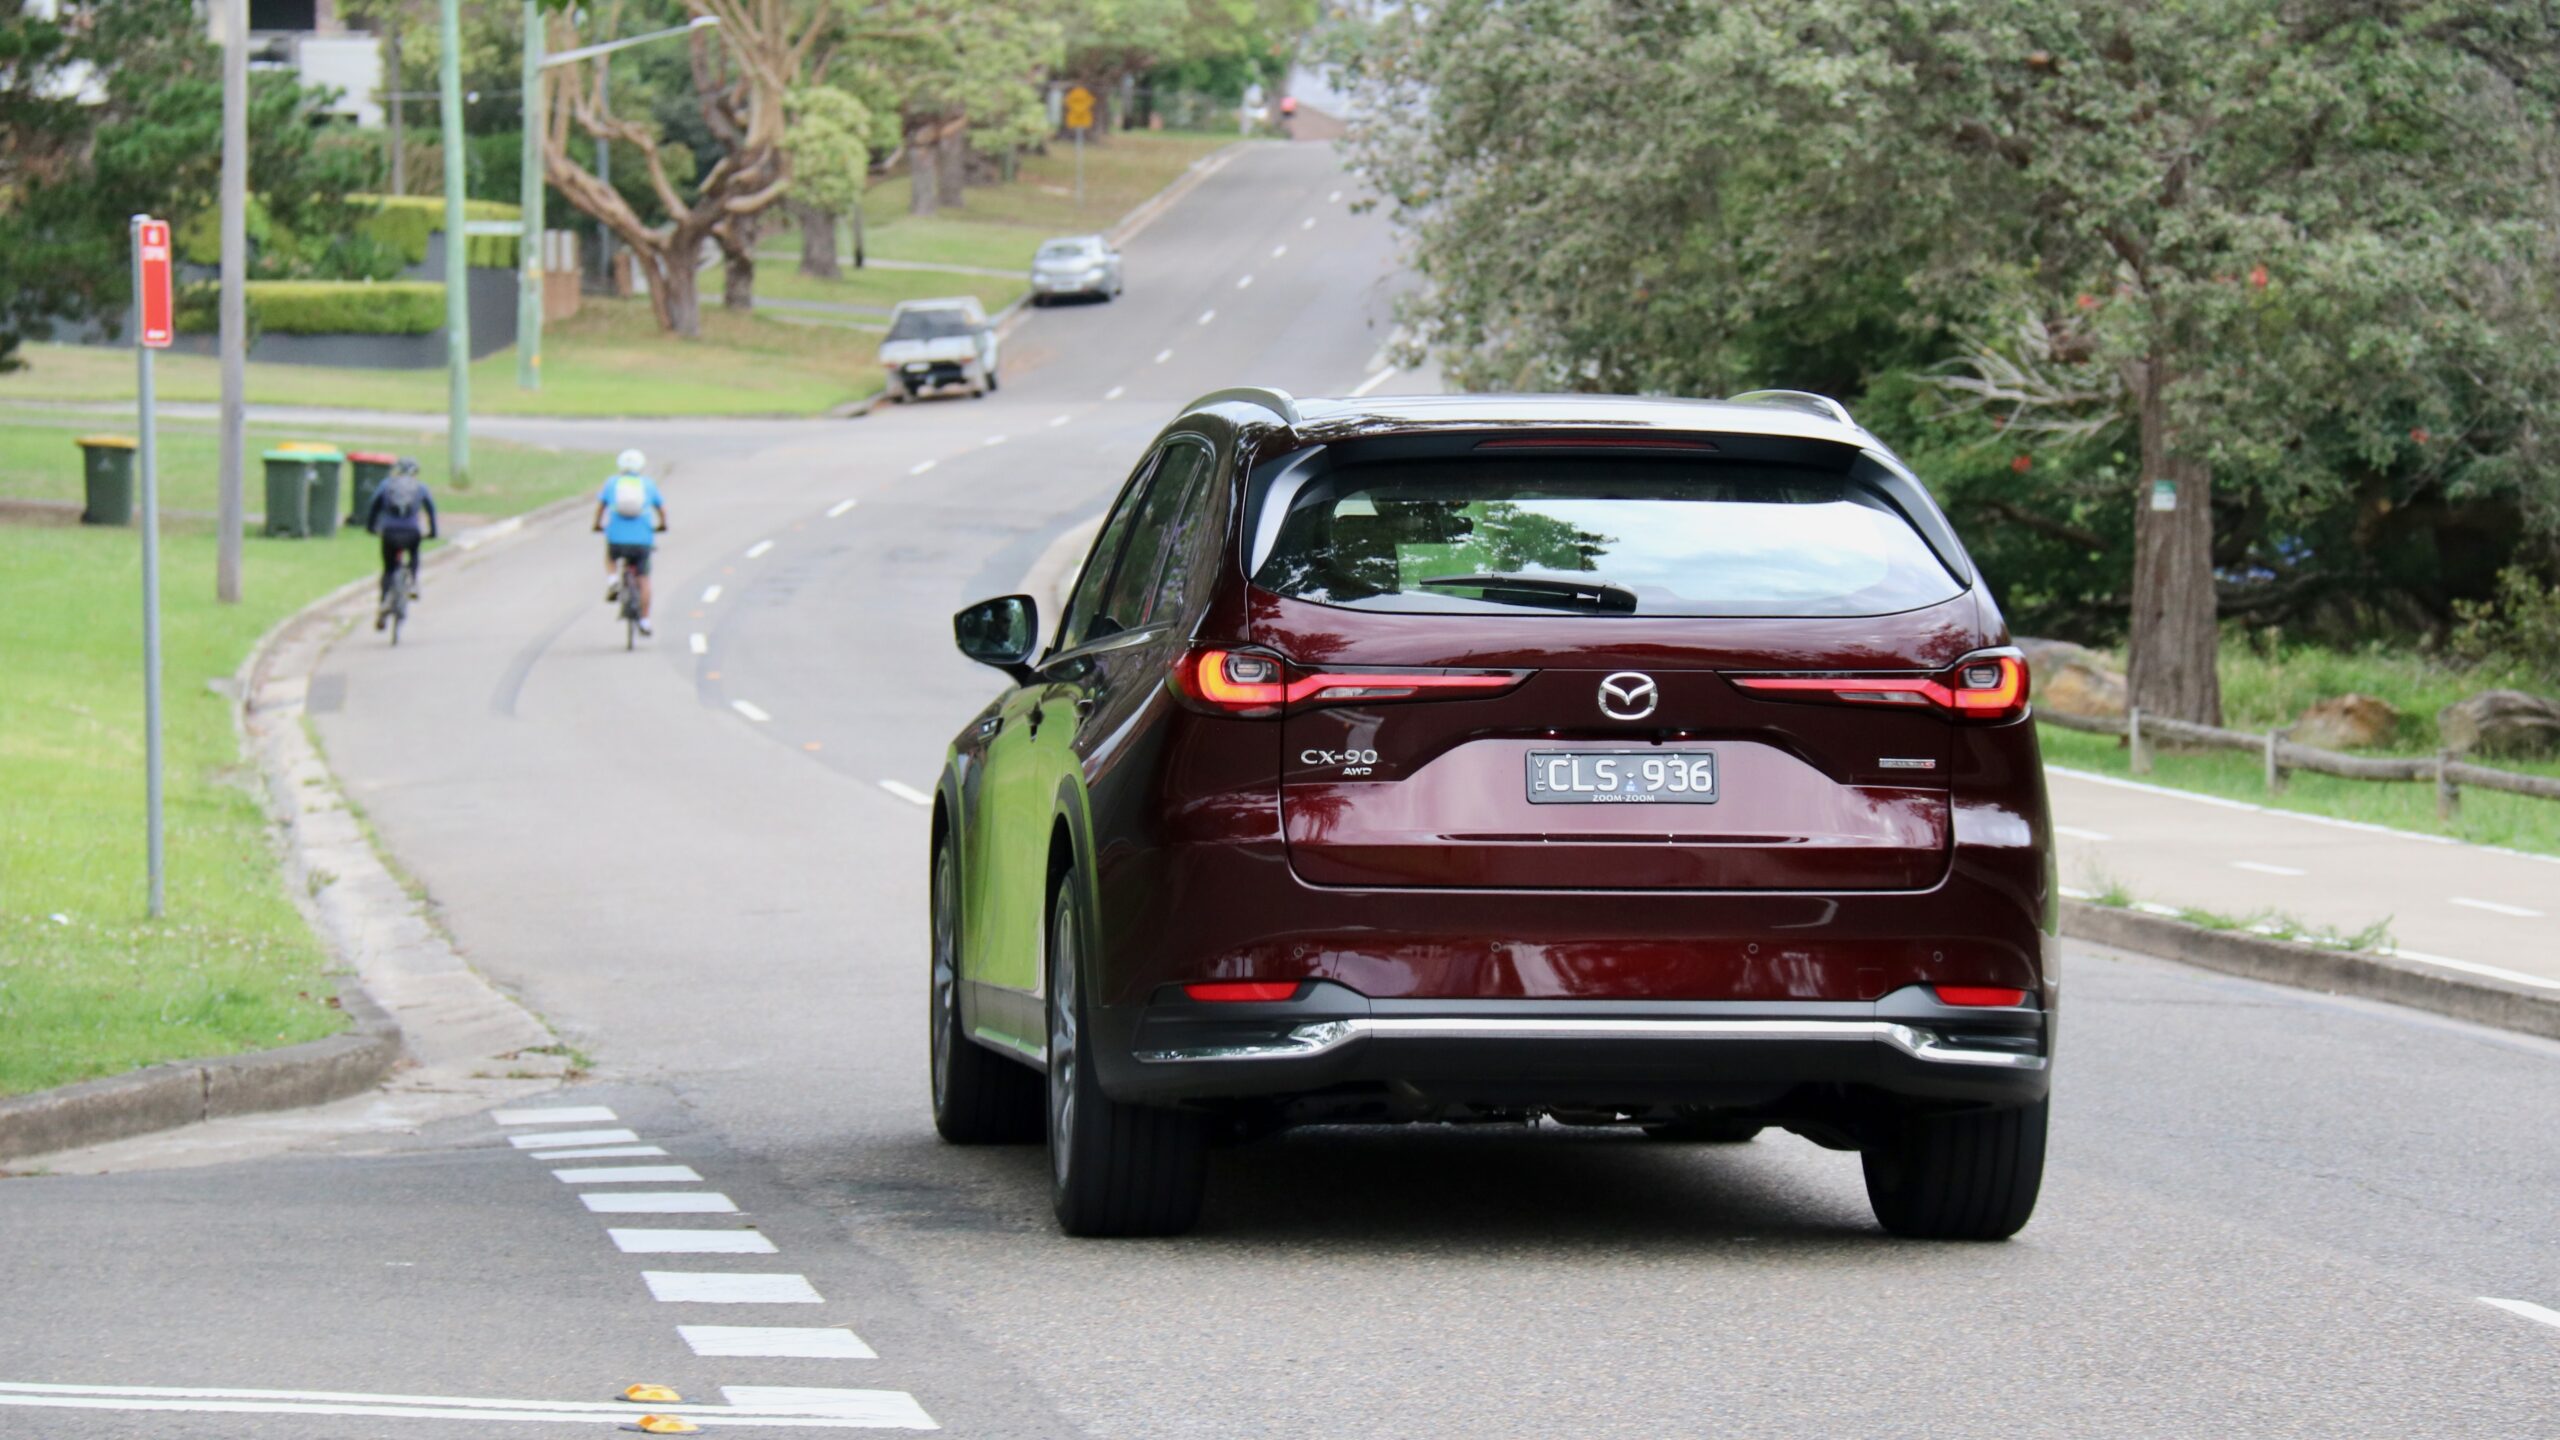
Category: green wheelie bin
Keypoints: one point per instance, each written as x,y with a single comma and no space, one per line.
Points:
291,474
320,508
106,468
366,470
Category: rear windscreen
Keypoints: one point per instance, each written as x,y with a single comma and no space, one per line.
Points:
930,325
1599,537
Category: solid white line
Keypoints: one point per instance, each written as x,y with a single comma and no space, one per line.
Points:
840,507
879,1407
690,1242
620,1412
2367,826
1279,250
1115,392
600,1152
710,594
556,1115
2497,907
1245,284
1057,420
628,1175
751,710
2262,868
993,441
922,466
701,1287
1333,199
1163,355
776,1342
758,549
2541,982
1373,382
2074,832
2525,1308
906,792
699,642
571,1137
659,1202
1208,315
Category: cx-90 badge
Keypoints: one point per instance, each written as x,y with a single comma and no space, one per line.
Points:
1629,695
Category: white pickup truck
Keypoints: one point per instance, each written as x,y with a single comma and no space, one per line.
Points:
933,343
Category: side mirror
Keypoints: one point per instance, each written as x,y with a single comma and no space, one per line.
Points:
1002,633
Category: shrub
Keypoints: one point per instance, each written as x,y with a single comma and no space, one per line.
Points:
325,307
2520,626
403,223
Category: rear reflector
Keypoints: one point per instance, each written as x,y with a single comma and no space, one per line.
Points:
1230,991
1253,686
1992,687
1979,995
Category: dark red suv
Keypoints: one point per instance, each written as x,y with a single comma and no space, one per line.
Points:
1647,762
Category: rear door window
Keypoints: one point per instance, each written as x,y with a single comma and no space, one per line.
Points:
1612,537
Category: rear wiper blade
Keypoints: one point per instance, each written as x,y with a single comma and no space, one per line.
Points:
1506,589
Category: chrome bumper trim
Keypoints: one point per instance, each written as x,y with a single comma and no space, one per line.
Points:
1322,1036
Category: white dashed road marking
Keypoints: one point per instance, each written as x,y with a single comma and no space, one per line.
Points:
751,710
600,1152
699,643
1307,224
556,1115
2496,907
690,1242
2074,832
1279,250
1163,355
2525,1308
758,549
1115,392
554,1138
710,594
922,466
776,1342
701,1287
2262,868
884,1408
1245,284
1208,315
994,440
840,507
906,792
628,1175
1373,382
1057,420
659,1202
1335,198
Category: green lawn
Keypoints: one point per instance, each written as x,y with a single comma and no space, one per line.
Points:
611,359
881,289
90,986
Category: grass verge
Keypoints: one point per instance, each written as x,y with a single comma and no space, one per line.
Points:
608,360
879,289
90,986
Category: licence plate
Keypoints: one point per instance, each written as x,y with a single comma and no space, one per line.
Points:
1622,777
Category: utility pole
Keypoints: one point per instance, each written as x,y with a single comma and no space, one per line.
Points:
457,245
604,169
232,309
529,245
399,121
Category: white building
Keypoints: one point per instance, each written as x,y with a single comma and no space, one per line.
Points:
310,38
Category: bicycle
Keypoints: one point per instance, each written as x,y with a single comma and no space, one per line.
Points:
630,604
394,604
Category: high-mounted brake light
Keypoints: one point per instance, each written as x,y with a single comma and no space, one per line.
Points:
1228,992
1992,687
1249,686
1595,442
1993,995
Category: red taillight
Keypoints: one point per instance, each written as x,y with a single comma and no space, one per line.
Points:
1227,992
1987,687
1979,995
1250,685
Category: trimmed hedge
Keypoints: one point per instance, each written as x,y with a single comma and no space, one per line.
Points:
326,307
403,222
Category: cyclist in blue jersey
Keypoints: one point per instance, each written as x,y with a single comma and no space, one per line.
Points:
630,512
397,508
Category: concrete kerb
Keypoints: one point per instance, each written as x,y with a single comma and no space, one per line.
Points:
2481,1000
405,990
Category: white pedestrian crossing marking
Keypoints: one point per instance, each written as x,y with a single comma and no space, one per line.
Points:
554,1115
600,1152
658,1202
704,1287
550,1139
627,1175
885,1408
776,1342
690,1242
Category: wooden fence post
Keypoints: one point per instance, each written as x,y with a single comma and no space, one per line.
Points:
2448,799
2275,771
2141,762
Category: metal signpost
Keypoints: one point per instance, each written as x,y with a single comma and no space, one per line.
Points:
457,274
529,255
1079,119
154,326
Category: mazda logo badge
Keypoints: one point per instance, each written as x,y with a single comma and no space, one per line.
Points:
1628,695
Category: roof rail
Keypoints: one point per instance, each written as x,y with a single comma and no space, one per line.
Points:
1804,400
1277,402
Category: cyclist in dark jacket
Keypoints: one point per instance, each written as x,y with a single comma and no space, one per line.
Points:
397,510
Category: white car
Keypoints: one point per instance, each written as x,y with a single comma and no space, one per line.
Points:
934,343
1079,265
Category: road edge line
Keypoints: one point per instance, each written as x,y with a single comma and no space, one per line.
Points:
2360,974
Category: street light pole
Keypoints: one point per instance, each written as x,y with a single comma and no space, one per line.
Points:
457,275
529,244
231,310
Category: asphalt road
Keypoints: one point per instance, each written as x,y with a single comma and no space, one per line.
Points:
2268,1213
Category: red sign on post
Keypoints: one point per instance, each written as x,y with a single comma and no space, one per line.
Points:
153,288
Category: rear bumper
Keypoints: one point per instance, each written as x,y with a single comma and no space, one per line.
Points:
1516,1054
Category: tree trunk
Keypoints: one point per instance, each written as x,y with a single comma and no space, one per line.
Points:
858,261
675,291
954,164
924,167
737,242
2175,635
817,242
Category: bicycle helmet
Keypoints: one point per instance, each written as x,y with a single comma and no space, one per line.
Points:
631,462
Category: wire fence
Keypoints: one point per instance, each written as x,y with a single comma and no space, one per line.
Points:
2448,774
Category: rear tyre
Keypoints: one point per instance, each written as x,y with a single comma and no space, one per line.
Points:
979,1097
1705,1130
1114,1169
993,384
1972,1175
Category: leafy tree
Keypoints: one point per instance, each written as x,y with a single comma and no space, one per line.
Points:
1113,41
830,143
